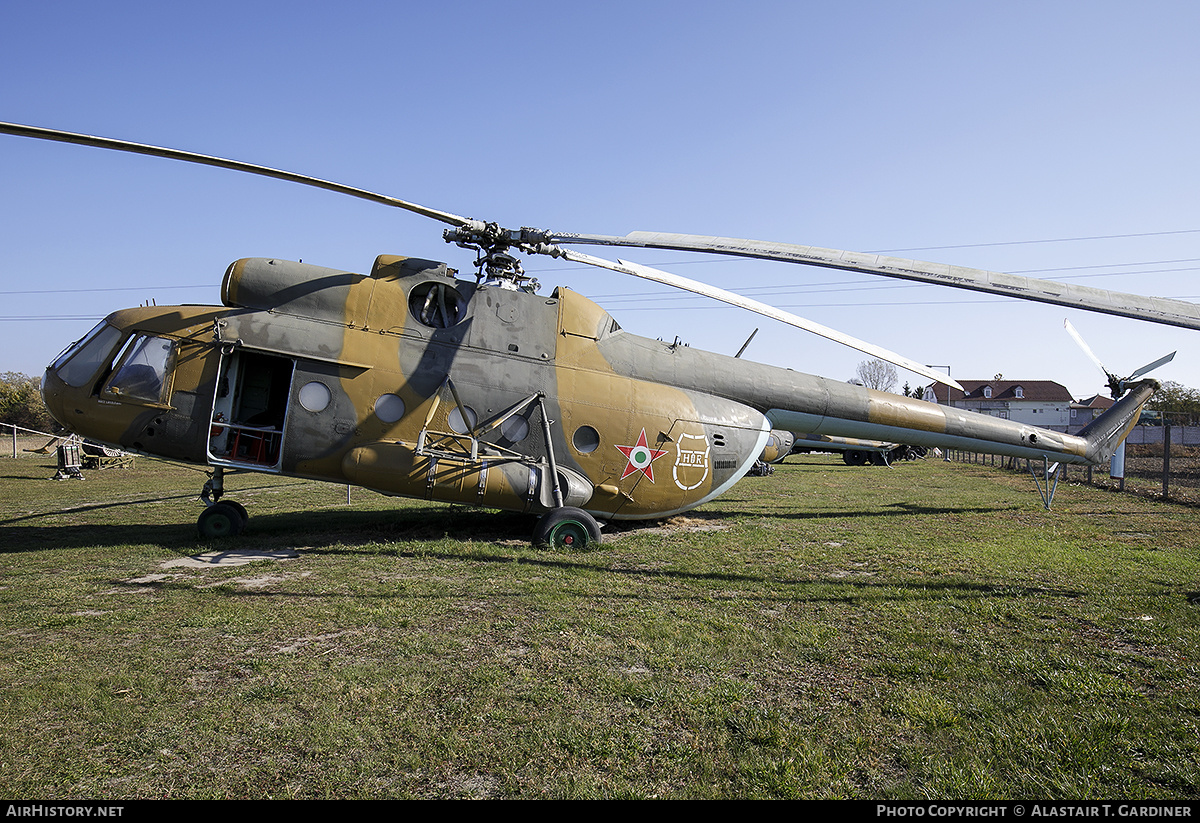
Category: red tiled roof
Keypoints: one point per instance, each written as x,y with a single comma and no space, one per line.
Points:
1038,390
1096,401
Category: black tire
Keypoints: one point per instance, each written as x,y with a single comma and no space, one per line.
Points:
854,458
221,520
240,509
567,528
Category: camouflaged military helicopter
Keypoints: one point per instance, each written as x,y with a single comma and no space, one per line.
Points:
413,382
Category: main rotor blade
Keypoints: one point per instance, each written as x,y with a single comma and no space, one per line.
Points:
235,165
666,278
1139,307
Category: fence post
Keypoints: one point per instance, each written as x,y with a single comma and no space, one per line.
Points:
1166,457
1116,466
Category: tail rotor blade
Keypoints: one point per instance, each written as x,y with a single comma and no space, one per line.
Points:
1117,384
1086,348
1149,367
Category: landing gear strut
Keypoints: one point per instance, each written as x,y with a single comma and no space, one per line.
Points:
220,518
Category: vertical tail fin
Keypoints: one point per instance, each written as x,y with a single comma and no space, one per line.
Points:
1106,432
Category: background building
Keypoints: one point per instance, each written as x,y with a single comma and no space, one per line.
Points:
1088,409
1041,403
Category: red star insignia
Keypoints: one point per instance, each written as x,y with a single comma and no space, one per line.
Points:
640,457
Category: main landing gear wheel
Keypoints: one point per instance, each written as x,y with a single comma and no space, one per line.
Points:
224,519
567,528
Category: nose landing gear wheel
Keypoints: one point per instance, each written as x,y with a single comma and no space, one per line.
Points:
567,528
241,510
225,519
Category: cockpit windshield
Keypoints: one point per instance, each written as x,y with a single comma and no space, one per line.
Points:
79,363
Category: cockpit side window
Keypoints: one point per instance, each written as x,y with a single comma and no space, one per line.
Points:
145,369
79,364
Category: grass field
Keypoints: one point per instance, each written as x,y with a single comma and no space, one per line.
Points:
923,631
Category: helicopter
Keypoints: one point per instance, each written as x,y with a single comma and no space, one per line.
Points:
412,381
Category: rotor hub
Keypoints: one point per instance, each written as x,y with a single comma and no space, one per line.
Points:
492,242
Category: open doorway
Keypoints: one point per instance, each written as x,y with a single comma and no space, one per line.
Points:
250,409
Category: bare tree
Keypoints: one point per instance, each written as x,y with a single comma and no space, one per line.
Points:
876,374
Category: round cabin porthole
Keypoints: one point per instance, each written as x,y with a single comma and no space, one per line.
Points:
315,396
515,429
586,440
460,424
389,408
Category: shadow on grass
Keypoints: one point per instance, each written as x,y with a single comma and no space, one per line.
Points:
481,537
349,527
877,510
93,507
898,510
817,589
308,530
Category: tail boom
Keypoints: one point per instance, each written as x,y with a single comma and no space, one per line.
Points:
916,423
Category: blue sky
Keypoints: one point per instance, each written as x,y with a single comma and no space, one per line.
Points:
962,130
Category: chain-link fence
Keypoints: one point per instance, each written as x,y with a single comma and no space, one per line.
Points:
1160,461
1163,460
